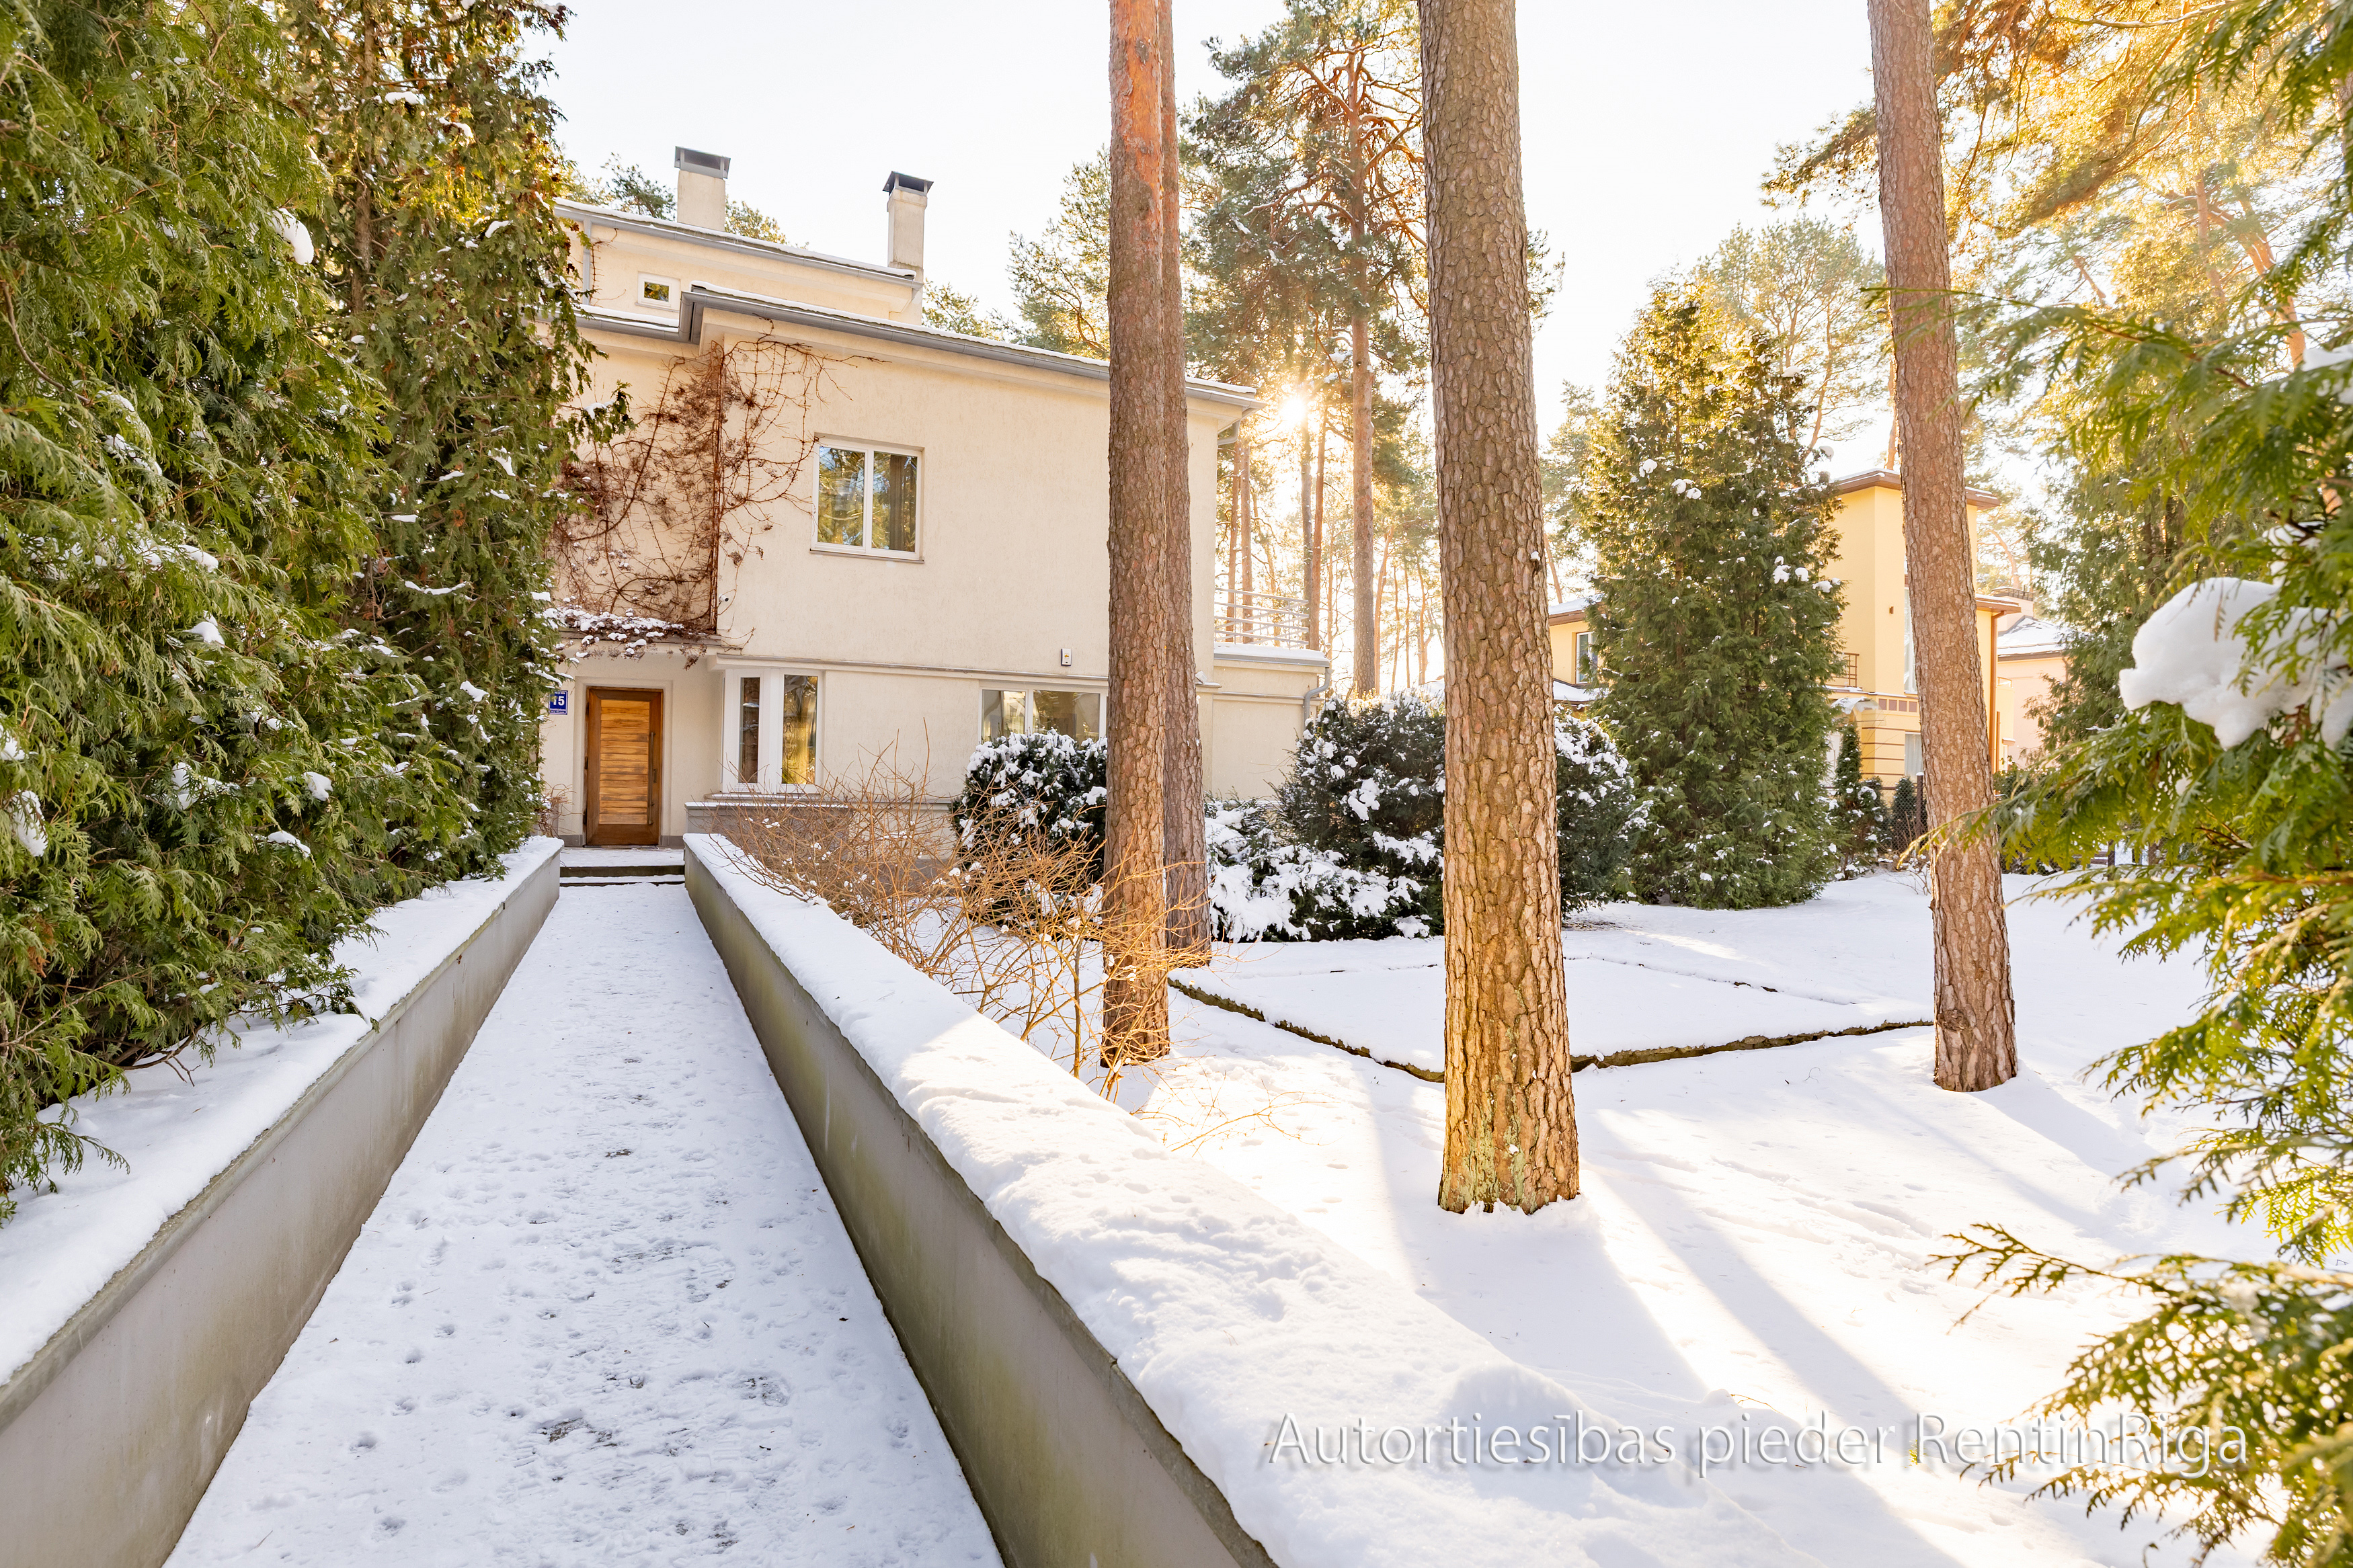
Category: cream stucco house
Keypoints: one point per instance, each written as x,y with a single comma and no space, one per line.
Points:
865,536
1875,681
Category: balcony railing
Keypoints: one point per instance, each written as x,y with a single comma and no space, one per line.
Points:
1847,671
1275,620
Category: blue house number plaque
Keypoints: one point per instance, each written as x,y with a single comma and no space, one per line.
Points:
559,703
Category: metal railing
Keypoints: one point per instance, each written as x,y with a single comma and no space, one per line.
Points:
1847,671
1276,620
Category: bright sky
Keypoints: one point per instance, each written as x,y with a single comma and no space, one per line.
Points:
1647,129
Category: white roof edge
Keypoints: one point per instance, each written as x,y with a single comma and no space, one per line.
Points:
1251,653
702,296
742,243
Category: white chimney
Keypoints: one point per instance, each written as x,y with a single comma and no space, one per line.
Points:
908,198
702,188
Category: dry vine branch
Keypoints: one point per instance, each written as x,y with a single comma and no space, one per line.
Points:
685,487
1011,920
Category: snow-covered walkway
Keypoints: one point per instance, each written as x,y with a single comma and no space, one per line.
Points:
604,1314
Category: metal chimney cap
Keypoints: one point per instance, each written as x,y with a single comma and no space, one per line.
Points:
702,163
899,181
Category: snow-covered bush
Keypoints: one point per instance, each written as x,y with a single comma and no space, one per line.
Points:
1366,789
1046,784
1265,887
1599,810
1364,809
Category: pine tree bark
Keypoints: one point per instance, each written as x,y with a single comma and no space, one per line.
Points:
1135,999
1366,637
1310,535
1185,832
1976,1034
1510,1117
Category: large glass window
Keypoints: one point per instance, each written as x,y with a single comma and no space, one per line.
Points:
1077,714
866,498
747,731
774,742
796,725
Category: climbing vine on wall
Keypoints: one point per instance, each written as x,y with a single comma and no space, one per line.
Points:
681,492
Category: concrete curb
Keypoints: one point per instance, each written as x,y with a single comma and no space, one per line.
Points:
1068,1465
110,1433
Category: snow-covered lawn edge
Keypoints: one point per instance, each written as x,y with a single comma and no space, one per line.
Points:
188,1273
1236,1323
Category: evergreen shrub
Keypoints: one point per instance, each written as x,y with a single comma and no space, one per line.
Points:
1858,811
207,775
1367,787
1716,617
1045,784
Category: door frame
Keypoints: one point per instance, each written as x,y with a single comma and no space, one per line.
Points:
593,699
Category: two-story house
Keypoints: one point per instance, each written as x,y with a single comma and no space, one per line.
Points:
833,532
1876,681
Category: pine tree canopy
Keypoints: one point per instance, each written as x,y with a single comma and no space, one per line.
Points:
1715,620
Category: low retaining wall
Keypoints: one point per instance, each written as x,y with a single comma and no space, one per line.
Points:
111,1430
1069,1464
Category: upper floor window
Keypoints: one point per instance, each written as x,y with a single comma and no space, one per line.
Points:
657,293
1584,659
866,498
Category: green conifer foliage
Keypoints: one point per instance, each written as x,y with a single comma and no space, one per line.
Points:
1715,621
441,233
1859,818
2237,843
195,766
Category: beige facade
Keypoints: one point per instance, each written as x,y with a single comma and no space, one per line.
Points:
972,589
1877,682
2032,657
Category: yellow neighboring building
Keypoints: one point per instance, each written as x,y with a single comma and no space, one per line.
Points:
894,543
1874,634
2032,657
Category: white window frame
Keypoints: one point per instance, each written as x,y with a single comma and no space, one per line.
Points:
768,776
1028,695
642,303
817,498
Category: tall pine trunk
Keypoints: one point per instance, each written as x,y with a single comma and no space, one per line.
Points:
1977,1046
1510,1119
1366,637
1185,834
1311,532
1135,1002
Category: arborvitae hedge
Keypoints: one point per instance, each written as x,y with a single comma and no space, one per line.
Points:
438,232
1716,620
198,767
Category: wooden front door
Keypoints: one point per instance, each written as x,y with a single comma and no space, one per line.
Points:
625,733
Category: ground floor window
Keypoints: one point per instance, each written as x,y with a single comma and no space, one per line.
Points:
1077,714
771,740
1913,765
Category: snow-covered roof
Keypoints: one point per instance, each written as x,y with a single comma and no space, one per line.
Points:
2030,636
1575,605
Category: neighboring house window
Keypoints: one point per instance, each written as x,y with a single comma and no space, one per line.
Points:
1584,658
658,293
1077,714
1913,765
866,498
772,743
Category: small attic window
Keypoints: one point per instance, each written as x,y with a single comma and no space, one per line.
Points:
657,293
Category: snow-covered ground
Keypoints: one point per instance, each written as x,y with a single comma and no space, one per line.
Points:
177,1125
604,1314
1754,1243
